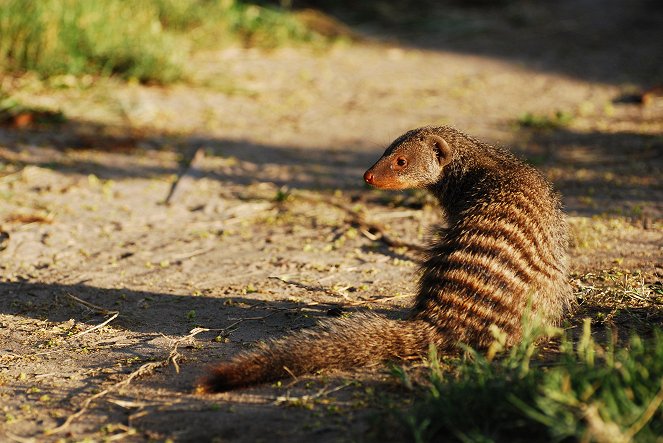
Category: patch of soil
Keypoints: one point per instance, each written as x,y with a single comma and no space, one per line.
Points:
86,239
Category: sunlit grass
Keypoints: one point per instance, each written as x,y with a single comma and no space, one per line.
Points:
148,40
584,392
557,120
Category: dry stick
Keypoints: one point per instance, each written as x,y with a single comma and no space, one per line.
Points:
393,297
174,354
309,287
347,302
371,230
147,367
99,326
186,175
99,309
232,325
189,255
87,304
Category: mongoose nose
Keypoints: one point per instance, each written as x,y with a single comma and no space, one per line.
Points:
368,177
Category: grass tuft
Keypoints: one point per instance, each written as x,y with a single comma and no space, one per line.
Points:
79,37
589,393
557,120
148,40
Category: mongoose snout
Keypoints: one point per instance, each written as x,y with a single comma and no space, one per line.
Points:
368,177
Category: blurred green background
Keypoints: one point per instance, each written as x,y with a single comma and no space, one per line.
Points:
146,40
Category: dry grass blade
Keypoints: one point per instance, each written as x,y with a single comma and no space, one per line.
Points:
144,369
287,399
87,304
309,287
653,406
99,326
99,309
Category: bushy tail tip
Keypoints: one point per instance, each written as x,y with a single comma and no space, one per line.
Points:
344,343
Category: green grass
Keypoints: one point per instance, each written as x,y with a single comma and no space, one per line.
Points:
587,393
146,40
206,22
557,120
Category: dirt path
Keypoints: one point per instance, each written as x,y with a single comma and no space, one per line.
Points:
286,134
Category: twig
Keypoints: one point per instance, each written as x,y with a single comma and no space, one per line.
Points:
99,326
174,354
374,300
87,304
144,369
99,309
188,255
373,231
305,398
232,325
309,287
347,301
292,374
393,297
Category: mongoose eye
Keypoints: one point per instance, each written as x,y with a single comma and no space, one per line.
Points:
401,161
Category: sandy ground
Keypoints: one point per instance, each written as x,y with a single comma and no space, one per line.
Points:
286,136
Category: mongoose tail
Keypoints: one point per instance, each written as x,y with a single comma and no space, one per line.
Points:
362,340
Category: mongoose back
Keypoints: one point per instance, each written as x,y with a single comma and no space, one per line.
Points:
503,255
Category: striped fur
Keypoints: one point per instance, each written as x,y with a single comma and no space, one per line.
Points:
502,256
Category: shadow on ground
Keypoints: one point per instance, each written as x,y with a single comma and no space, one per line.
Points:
237,161
151,312
599,172
610,41
595,171
153,410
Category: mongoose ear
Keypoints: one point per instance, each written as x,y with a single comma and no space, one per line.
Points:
442,149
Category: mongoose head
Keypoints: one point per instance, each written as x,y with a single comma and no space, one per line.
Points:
414,160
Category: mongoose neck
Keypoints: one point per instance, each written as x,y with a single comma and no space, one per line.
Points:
470,177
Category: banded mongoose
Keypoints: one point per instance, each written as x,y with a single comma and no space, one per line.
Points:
502,256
